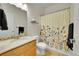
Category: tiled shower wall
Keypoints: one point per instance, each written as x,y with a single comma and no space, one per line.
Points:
54,29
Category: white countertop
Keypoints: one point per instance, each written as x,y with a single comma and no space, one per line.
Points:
13,43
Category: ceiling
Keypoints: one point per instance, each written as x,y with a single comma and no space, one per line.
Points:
41,4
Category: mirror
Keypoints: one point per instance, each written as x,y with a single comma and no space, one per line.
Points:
16,18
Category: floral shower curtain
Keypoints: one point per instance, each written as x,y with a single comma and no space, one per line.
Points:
54,29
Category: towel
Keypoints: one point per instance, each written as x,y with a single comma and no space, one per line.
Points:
70,36
3,20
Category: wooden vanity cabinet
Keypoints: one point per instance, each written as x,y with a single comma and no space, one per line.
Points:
28,49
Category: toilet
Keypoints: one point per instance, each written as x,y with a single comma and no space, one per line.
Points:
41,46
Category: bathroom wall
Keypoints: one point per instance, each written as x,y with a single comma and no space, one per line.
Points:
15,18
76,29
33,13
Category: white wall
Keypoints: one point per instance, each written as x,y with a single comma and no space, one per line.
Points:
15,18
76,29
33,12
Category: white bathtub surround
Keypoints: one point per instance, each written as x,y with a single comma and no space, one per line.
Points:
13,43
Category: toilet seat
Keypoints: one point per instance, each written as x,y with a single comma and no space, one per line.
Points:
41,45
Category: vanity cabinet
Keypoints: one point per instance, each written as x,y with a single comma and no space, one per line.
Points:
28,49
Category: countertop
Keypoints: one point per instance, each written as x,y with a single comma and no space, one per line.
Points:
7,45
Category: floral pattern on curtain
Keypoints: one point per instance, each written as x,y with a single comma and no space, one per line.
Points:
54,29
